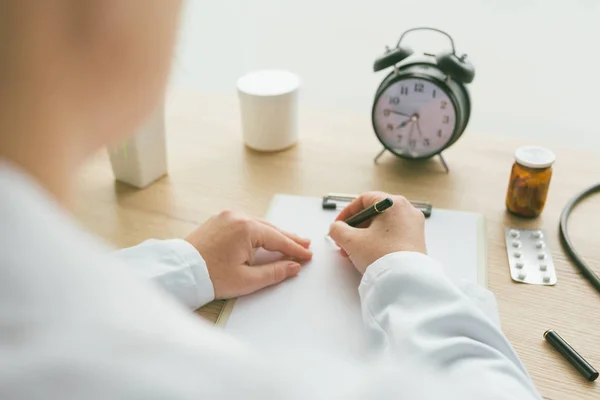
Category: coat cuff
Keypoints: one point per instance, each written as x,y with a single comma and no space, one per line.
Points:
192,258
418,268
403,260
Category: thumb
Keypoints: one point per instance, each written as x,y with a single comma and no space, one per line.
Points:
341,233
261,276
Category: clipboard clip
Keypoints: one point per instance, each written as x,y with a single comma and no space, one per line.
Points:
332,200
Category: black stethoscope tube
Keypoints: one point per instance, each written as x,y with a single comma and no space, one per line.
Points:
566,241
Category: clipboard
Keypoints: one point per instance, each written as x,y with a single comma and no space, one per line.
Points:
441,235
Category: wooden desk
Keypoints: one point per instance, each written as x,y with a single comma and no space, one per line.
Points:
210,169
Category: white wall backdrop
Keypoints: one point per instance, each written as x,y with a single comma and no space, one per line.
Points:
536,61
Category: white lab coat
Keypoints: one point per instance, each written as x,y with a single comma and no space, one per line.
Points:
80,321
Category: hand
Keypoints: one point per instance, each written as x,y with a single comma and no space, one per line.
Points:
400,228
228,241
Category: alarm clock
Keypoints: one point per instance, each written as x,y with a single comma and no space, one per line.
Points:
422,106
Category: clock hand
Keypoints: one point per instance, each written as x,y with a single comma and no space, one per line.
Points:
397,112
402,125
419,128
412,143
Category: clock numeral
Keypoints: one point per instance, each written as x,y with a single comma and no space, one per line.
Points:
426,141
439,133
390,127
434,92
445,119
403,90
419,87
386,113
394,100
443,104
412,143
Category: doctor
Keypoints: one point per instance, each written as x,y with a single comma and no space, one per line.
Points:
80,321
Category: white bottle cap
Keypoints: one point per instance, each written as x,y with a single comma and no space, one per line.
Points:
534,157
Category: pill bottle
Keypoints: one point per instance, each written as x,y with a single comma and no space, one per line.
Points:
529,181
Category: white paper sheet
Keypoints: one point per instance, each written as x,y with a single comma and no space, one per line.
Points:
320,308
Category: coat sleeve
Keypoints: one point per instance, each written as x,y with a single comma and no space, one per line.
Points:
175,266
412,310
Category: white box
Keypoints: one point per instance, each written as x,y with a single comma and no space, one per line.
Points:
142,158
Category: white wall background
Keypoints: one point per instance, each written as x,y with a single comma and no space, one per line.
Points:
536,61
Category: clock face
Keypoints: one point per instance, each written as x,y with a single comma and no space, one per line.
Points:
414,117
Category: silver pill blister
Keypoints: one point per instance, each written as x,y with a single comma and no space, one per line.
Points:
529,257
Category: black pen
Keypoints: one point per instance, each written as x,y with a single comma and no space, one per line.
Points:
369,212
571,355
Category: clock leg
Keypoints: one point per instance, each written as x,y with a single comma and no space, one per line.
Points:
444,162
379,155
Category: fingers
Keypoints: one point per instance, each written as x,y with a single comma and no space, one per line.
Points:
260,276
272,239
301,241
360,203
342,234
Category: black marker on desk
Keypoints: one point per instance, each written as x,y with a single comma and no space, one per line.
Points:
571,355
369,212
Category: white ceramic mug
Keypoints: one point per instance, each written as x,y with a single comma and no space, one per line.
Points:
269,109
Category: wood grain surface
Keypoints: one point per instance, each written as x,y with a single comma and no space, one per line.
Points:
211,169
